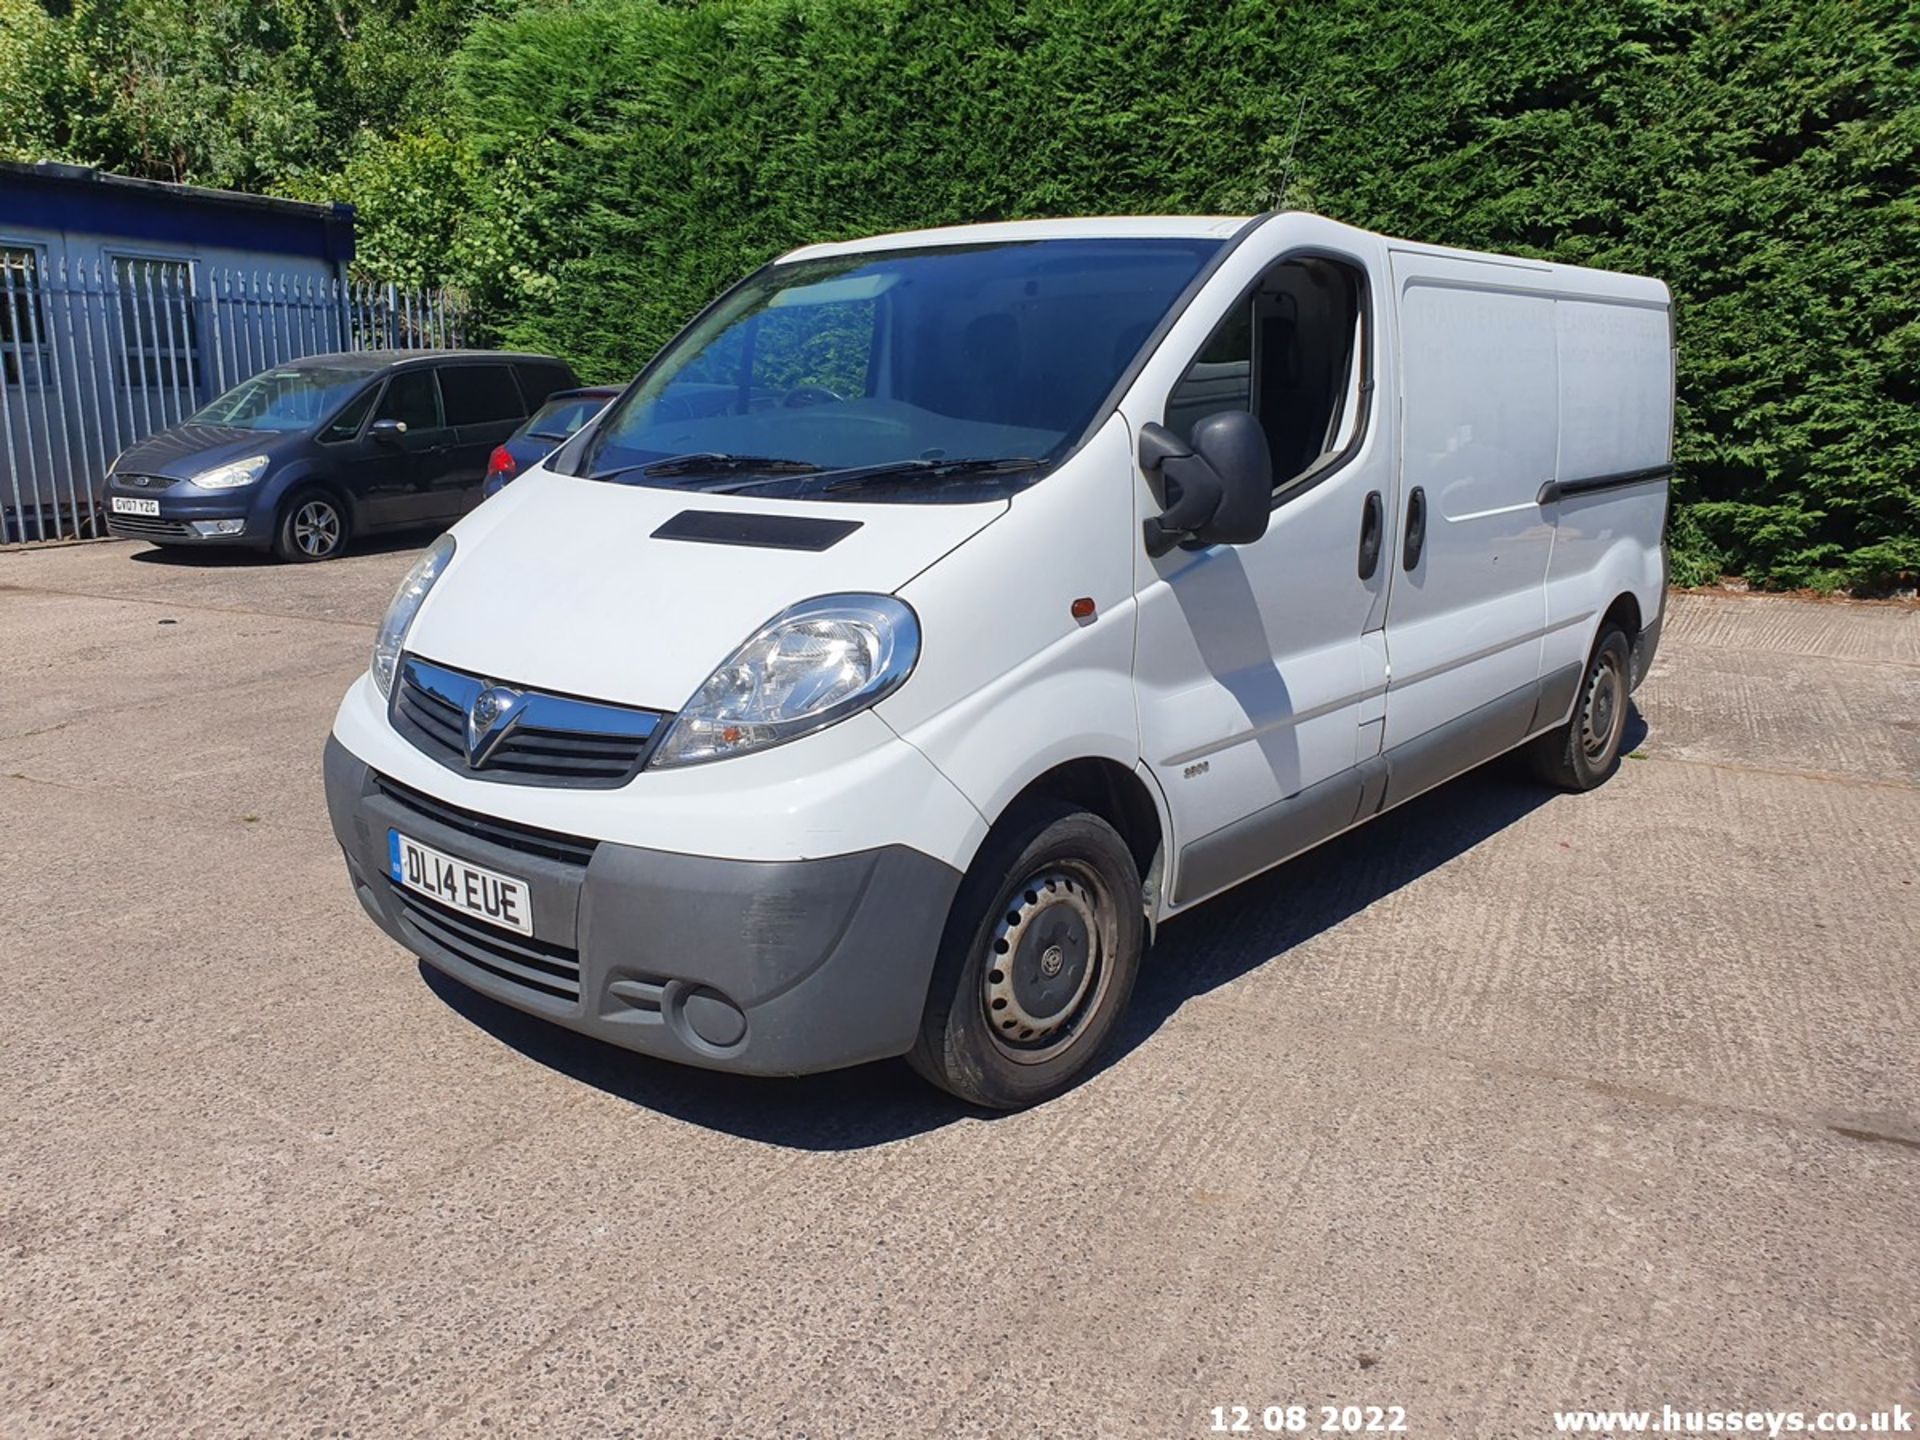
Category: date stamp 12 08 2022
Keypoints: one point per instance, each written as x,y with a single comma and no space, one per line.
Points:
1236,1419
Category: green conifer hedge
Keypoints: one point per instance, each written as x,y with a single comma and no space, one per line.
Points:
1760,157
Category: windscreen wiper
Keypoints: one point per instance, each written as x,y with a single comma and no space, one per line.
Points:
719,462
853,477
939,469
712,462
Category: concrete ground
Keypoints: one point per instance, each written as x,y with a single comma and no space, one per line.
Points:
1508,1103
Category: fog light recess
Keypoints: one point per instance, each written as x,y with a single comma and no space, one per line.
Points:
207,529
713,1018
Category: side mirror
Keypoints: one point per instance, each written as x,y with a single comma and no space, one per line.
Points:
1218,489
388,430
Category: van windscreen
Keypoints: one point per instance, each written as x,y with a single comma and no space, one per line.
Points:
924,359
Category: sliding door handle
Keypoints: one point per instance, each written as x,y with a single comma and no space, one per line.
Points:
1372,526
1415,539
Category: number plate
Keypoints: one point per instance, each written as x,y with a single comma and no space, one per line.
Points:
484,894
134,505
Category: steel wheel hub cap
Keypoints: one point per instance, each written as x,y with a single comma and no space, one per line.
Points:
1043,960
1602,710
316,528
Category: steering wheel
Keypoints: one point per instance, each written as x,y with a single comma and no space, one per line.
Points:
804,395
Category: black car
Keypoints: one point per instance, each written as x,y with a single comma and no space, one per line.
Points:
307,454
552,424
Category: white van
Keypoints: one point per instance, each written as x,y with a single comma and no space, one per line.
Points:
939,612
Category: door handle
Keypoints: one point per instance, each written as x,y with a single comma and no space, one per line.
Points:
1371,524
1416,536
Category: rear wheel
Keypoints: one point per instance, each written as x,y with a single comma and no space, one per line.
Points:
1586,750
1037,963
313,526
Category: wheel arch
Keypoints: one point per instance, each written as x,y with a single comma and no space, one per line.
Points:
1103,787
1624,611
309,477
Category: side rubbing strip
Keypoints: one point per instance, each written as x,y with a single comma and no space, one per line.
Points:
1283,829
1266,837
764,532
1557,692
1566,489
1460,744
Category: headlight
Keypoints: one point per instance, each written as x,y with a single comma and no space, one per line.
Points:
406,604
232,477
812,664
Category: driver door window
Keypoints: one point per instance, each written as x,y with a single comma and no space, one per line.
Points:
1293,353
413,399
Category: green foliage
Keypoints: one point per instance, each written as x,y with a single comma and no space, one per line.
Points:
409,190
235,93
594,170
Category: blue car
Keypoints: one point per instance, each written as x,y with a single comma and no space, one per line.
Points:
306,455
556,421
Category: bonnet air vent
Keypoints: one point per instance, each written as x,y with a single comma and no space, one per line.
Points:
765,532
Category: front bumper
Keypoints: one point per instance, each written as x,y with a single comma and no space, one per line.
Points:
762,967
181,506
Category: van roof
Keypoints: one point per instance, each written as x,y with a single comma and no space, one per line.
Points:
1216,227
1111,227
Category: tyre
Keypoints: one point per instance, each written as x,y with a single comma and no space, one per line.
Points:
1037,963
1586,750
313,526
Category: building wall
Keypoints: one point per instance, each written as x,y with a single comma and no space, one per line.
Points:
125,306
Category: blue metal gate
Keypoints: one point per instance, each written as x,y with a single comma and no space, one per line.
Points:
95,358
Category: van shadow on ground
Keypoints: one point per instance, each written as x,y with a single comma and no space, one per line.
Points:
1257,924
209,557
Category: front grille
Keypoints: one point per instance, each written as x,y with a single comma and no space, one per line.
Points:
549,969
146,482
553,740
509,835
147,526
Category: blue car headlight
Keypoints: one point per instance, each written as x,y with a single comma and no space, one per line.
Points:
233,475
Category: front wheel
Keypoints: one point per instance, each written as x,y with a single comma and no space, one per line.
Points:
313,526
1586,750
1037,963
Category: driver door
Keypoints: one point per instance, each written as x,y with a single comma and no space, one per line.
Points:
1261,669
394,479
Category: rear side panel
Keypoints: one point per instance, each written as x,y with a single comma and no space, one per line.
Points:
1615,363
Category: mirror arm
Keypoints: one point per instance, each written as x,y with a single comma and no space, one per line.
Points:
1158,445
1165,454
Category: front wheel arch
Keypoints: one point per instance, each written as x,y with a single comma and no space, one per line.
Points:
1105,788
305,475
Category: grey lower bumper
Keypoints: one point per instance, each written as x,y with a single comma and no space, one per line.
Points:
761,967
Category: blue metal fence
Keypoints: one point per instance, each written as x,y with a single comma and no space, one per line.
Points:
95,358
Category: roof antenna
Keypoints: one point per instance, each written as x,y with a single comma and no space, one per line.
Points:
1286,171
